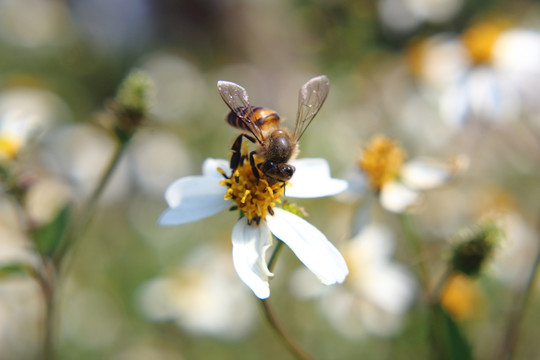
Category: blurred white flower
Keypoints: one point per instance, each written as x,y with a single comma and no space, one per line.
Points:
32,23
21,301
45,198
21,314
489,72
203,296
25,113
375,296
15,247
196,197
515,254
398,183
157,158
404,16
81,153
179,88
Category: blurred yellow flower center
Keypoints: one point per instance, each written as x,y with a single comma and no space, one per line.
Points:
461,297
255,198
480,39
382,160
415,56
9,147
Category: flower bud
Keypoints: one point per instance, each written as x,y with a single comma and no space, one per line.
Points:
475,248
131,104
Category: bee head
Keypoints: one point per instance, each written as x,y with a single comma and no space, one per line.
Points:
277,172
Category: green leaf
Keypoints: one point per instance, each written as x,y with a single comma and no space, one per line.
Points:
12,269
449,341
49,236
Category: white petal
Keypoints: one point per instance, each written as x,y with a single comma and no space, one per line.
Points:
423,174
397,197
153,298
310,246
250,243
193,198
391,287
210,166
374,242
312,179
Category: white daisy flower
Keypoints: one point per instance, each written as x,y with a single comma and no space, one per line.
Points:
203,296
25,114
396,182
489,72
377,293
193,198
404,16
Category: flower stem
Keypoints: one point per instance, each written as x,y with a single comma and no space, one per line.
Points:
274,256
430,298
88,211
516,316
46,278
416,245
291,345
53,265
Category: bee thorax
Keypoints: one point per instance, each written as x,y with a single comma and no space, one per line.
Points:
280,147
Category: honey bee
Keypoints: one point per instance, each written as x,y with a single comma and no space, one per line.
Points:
275,145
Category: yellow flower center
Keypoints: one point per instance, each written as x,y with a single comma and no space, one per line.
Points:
254,197
9,147
415,56
382,160
480,39
461,297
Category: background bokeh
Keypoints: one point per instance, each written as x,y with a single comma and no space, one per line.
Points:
444,78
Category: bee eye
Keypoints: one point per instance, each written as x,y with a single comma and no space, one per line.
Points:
288,170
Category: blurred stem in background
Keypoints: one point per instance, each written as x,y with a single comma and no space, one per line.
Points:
422,272
129,108
522,300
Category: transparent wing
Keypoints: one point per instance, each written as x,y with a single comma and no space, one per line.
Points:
237,100
310,100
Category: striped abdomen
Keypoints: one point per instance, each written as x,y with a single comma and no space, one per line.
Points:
265,119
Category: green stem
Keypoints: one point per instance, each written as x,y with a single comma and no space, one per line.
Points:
46,278
292,346
88,211
513,325
436,293
274,256
53,266
431,298
416,245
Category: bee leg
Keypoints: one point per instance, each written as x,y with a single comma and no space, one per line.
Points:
254,167
236,152
236,156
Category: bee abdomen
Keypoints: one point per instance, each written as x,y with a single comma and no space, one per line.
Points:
263,118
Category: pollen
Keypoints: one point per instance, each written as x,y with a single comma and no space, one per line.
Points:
253,197
382,160
480,39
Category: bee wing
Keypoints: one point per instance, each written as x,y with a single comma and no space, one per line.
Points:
310,100
236,98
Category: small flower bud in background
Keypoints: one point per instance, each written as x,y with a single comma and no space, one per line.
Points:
475,248
295,209
131,104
